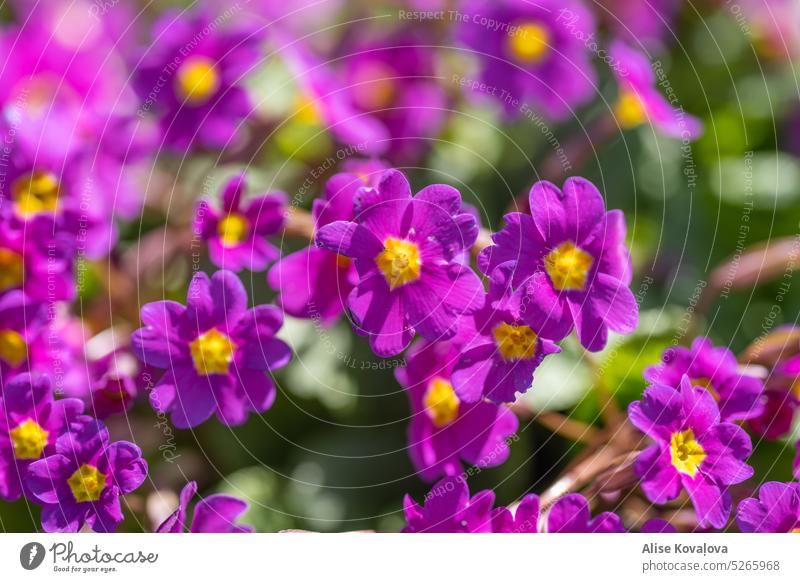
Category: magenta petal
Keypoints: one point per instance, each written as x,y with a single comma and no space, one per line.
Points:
349,239
471,372
47,478
713,506
194,402
614,303
549,213
378,312
660,480
218,514
123,460
65,518
545,311
584,208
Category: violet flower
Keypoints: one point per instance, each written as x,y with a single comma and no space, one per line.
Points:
217,354
212,514
776,510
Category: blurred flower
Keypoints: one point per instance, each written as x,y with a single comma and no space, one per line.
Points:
191,74
571,260
217,353
571,514
81,483
773,24
236,236
777,509
393,78
693,450
326,101
444,430
448,508
640,102
213,514
313,282
648,22
658,526
499,353
113,389
405,250
534,51
30,422
739,396
36,261
522,519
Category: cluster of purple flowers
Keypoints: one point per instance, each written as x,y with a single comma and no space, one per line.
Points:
85,105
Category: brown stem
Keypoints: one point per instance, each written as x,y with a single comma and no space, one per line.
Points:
559,424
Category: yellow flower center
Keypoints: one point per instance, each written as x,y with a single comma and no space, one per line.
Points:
705,383
686,452
233,229
515,342
399,261
568,267
530,43
36,193
441,402
212,353
29,440
87,483
305,111
795,530
630,110
13,349
12,269
197,80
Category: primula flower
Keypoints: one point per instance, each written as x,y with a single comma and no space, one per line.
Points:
191,75
82,481
448,508
314,283
394,79
326,101
213,514
533,51
647,22
36,261
571,260
406,251
640,102
500,352
569,514
444,430
30,422
777,509
217,353
693,451
236,234
113,389
740,396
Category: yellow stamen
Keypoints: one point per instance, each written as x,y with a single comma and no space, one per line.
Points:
12,269
36,193
399,261
630,110
530,43
686,453
87,483
515,342
212,353
29,440
233,229
568,267
197,80
305,111
13,348
441,402
705,383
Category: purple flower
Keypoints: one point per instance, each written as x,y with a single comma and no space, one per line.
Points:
213,514
36,261
448,508
444,430
639,101
394,79
571,261
191,77
533,54
81,483
314,283
656,525
30,422
406,251
569,514
739,396
500,352
236,234
641,21
217,353
777,509
113,389
693,451
327,101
